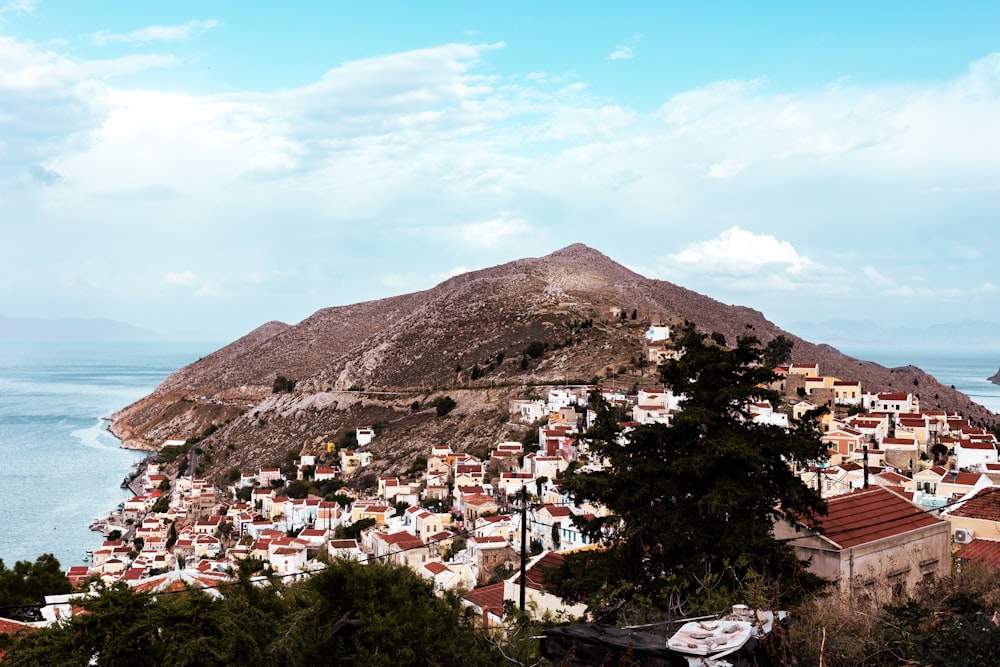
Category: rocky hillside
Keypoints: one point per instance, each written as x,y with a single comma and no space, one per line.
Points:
481,337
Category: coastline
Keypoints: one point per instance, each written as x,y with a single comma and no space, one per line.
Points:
126,434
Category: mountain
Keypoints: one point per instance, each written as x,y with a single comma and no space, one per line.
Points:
28,328
481,337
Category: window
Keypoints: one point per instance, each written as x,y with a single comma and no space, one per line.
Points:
897,582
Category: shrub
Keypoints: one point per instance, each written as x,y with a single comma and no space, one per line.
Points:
443,405
536,349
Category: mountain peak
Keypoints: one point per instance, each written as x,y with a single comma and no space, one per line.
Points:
578,251
574,314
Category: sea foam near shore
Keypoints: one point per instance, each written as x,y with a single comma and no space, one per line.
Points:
59,466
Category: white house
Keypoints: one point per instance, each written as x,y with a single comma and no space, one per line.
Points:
974,454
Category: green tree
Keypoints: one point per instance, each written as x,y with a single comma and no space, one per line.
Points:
443,405
693,503
353,532
535,349
778,351
348,439
29,583
347,614
282,384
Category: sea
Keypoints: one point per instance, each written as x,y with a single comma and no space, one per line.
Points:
60,468
965,368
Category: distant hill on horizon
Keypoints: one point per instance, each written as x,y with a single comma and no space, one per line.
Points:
38,328
869,333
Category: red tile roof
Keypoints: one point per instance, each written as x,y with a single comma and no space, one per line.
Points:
487,597
556,510
536,572
984,505
893,396
436,567
867,515
964,479
344,544
984,551
977,444
8,626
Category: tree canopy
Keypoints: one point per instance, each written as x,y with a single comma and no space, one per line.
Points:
28,583
347,614
778,351
692,503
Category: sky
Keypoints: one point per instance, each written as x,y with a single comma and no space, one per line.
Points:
200,168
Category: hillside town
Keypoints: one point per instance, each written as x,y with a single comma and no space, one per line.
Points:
468,523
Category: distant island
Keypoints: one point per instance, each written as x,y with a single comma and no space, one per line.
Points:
995,378
37,328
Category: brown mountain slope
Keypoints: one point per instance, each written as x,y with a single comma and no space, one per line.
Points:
467,336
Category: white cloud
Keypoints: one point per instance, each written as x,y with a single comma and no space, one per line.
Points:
155,33
23,6
739,252
621,53
493,233
402,142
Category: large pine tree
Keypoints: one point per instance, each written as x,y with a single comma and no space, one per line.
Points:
692,503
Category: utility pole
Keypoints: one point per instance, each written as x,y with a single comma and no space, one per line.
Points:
524,541
864,458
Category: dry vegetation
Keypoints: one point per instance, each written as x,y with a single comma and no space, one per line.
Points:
952,621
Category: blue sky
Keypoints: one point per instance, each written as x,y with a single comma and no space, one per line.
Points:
202,168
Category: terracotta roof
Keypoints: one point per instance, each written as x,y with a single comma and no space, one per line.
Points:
893,478
964,478
344,544
487,597
977,444
436,567
401,538
536,571
867,515
8,626
984,551
556,510
477,499
984,505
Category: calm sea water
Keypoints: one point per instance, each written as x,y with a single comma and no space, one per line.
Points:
59,466
967,369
